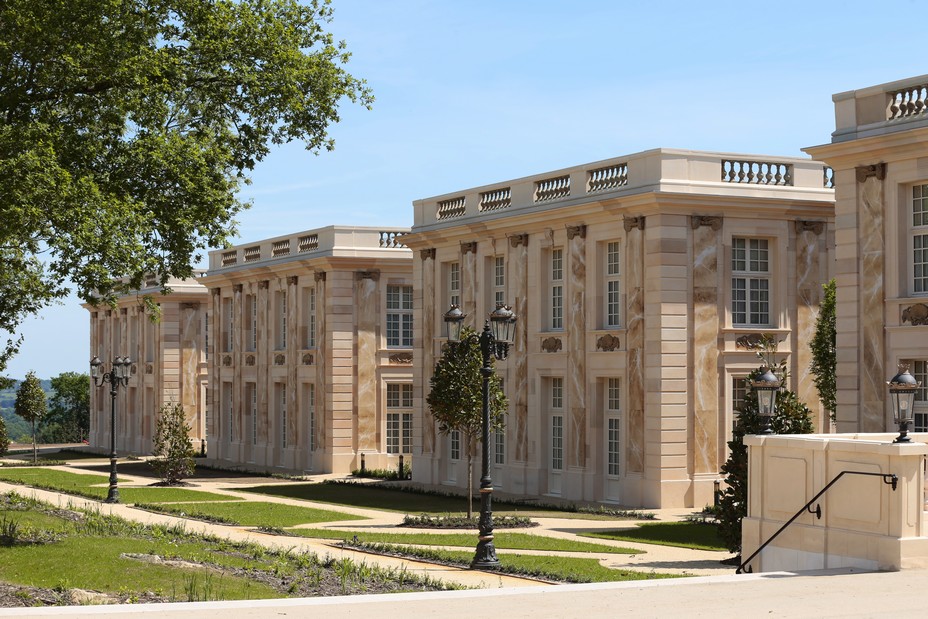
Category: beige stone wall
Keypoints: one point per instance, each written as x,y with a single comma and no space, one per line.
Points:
675,352
290,404
168,365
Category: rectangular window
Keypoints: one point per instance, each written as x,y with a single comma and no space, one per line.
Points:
227,402
920,410
282,320
613,291
557,442
310,318
556,301
920,238
739,389
399,418
750,282
557,393
254,412
454,283
251,311
499,282
613,427
310,401
283,415
455,445
205,334
227,314
399,316
499,447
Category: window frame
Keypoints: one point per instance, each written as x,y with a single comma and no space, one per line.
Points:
399,316
746,316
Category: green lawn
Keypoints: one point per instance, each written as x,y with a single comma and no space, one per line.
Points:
502,540
95,486
695,535
256,514
395,500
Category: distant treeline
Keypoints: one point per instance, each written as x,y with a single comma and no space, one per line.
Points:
16,428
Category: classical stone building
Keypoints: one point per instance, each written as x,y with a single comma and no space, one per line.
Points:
879,152
639,284
311,358
168,356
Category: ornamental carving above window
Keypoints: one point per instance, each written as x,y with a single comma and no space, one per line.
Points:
249,360
608,343
279,359
308,359
401,358
915,314
551,344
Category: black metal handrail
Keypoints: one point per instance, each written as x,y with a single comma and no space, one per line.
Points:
889,479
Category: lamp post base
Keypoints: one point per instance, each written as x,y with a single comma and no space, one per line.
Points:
113,494
485,557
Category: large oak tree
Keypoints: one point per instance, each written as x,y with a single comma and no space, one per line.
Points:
127,126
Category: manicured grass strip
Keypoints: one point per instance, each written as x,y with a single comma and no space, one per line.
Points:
404,502
256,514
90,486
502,540
683,534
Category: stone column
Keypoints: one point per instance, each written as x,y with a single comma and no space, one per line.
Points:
237,383
469,284
518,259
634,286
189,361
262,364
576,346
215,362
322,347
293,360
808,299
704,347
426,347
870,237
366,383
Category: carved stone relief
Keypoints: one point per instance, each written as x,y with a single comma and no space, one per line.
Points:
401,358
469,247
866,171
249,360
279,359
915,314
518,239
575,231
712,221
551,344
633,222
425,254
227,361
308,359
608,343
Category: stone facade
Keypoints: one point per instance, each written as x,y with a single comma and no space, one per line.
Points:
879,153
168,363
312,351
636,281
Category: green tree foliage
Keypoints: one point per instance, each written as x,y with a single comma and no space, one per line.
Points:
172,449
456,398
68,419
823,344
127,127
31,405
791,417
4,438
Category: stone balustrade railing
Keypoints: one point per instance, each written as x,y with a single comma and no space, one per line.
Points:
910,101
880,109
305,244
664,169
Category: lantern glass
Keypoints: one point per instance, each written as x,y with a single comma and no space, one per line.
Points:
502,321
454,318
766,385
95,364
902,388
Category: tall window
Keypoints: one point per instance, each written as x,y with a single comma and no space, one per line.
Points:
499,282
205,334
739,389
282,319
454,283
310,309
920,409
750,282
613,427
251,311
556,300
399,316
282,407
227,401
310,402
557,424
499,447
920,238
227,314
612,297
253,400
455,445
399,418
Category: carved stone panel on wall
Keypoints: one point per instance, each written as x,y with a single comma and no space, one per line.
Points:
516,240
133,369
149,368
227,361
249,360
608,343
426,254
308,359
574,231
866,171
915,314
712,221
551,344
749,341
279,359
469,247
401,358
633,222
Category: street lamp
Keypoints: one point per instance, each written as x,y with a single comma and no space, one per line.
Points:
118,375
494,341
902,388
766,385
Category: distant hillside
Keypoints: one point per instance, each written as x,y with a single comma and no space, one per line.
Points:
16,428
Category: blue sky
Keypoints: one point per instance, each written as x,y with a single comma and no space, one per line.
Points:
478,92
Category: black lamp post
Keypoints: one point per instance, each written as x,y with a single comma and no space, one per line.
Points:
766,385
493,343
902,388
118,375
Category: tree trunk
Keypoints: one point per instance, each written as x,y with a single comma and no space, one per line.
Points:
470,486
35,451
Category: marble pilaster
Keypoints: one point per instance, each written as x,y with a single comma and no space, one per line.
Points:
705,350
322,403
212,427
576,347
808,298
518,258
367,305
262,363
238,385
427,345
872,373
469,284
293,360
635,333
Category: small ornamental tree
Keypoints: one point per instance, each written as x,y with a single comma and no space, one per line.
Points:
172,450
30,405
823,346
456,398
4,438
791,417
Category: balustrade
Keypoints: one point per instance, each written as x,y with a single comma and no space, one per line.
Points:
391,238
552,188
281,248
449,209
604,179
252,253
496,199
310,242
229,258
756,172
908,102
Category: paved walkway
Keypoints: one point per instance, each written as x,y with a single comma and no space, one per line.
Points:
719,593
